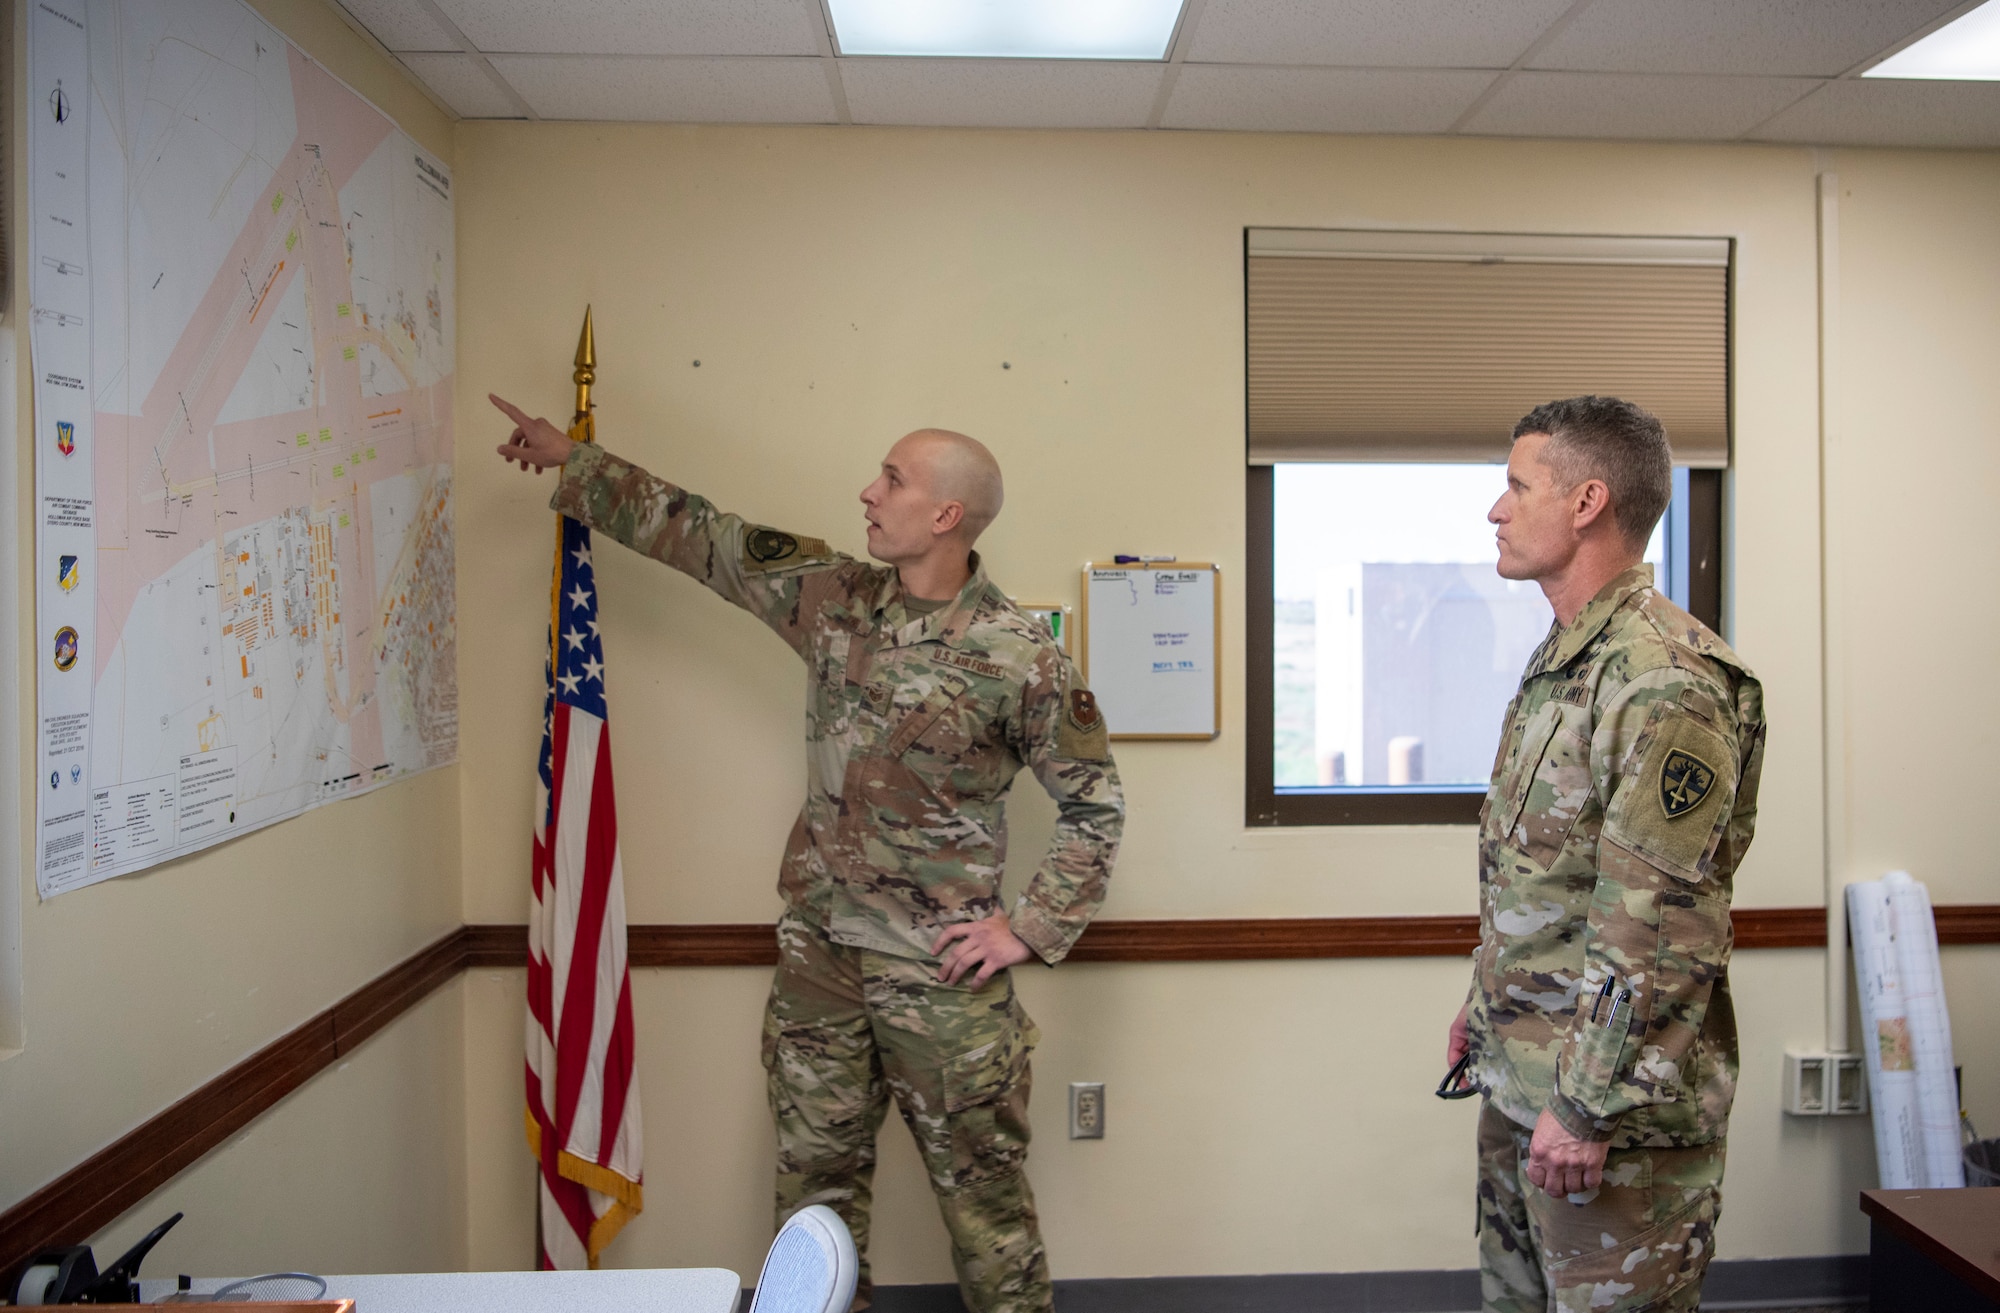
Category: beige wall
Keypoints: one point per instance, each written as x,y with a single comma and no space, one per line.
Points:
139,990
358,1171
1916,467
842,286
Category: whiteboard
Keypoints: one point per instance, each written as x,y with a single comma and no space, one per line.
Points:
1150,650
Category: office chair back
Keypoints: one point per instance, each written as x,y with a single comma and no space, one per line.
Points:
811,1267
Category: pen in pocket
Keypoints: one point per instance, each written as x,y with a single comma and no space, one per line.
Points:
1617,1006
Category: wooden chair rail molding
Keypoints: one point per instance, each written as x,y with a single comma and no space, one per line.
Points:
69,1209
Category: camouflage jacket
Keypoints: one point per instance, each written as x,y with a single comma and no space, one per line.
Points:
1623,797
915,725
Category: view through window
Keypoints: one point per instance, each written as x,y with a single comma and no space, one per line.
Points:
1395,644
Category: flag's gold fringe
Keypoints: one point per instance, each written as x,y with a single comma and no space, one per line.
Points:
628,1197
606,1227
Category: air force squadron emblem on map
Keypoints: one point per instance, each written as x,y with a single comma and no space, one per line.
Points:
65,654
65,437
69,573
1684,781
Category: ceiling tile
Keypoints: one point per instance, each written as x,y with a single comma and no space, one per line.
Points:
1634,105
1886,112
1321,99
400,25
1814,38
462,84
1000,93
644,89
1371,33
637,27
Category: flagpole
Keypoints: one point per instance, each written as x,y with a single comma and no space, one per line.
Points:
582,428
589,1156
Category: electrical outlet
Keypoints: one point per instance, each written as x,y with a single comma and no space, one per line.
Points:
1086,1110
1850,1085
1820,1084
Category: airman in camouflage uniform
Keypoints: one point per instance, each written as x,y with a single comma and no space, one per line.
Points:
917,721
1622,799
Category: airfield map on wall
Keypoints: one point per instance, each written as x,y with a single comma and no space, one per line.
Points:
241,300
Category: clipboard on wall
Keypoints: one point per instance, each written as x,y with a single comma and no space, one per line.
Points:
1151,647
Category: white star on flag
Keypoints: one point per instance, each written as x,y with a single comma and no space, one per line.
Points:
578,597
573,638
594,669
593,627
569,682
582,555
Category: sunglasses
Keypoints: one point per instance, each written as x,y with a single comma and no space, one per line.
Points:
1454,1085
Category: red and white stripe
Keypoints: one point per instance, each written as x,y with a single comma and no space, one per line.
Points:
582,1092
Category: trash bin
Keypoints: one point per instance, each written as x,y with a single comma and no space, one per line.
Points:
1982,1162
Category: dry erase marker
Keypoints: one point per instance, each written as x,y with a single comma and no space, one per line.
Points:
1122,559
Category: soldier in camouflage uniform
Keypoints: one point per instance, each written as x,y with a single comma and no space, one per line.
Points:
893,951
1623,797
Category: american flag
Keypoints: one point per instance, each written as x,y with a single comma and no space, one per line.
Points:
583,1096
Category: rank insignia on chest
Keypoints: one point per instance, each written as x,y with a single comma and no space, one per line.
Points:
1685,780
1083,712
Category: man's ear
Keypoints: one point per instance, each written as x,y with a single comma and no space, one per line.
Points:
948,517
1590,501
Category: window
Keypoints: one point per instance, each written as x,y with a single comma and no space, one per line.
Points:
1383,646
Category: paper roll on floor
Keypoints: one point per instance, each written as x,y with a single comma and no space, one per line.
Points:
1906,1033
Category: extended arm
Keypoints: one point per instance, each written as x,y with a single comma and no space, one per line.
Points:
764,571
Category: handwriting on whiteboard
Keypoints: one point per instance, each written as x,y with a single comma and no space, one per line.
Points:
1150,647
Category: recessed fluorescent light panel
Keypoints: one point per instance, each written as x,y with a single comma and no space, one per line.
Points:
1007,29
1965,49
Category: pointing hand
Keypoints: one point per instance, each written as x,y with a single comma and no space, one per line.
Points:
534,441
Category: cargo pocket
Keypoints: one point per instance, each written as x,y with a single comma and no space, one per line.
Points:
769,1046
1644,1272
986,1105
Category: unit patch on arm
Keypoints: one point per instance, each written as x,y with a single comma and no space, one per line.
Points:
1080,734
774,549
1685,780
1669,811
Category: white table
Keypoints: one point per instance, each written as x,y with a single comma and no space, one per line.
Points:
624,1290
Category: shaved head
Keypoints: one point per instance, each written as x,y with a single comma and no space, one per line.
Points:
961,469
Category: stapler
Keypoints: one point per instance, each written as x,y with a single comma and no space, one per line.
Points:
68,1274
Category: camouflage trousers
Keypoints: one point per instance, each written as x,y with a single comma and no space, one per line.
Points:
1640,1241
846,1029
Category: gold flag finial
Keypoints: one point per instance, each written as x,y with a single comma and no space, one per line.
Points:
581,428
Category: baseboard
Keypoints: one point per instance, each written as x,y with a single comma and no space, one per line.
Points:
1744,1283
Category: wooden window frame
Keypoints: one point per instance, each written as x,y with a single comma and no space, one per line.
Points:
1266,805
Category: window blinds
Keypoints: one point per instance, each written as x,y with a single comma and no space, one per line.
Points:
1400,346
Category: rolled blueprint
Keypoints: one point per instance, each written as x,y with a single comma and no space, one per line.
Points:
1930,1029
1885,1037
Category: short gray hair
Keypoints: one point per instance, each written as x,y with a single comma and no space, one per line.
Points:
1613,440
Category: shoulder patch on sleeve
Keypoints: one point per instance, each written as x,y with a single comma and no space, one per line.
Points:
765,550
1080,731
1671,808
